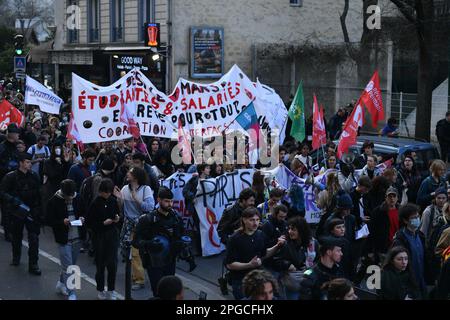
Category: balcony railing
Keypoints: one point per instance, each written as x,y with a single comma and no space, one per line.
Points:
117,34
93,35
72,36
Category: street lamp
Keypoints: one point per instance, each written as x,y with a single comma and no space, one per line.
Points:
155,57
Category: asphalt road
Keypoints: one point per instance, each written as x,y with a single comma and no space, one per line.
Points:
18,284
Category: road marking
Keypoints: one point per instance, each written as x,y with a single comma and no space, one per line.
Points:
57,261
197,287
188,283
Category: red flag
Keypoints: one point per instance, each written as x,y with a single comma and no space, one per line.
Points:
184,144
319,134
350,131
373,100
9,114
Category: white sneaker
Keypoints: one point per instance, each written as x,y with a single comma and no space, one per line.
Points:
72,296
112,295
61,288
102,295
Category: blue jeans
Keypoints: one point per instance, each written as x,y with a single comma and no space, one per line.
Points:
68,255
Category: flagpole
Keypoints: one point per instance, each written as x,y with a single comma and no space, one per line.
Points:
146,149
323,151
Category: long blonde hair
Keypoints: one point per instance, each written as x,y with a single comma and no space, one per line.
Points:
333,185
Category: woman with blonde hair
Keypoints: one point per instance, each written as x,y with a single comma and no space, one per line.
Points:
428,187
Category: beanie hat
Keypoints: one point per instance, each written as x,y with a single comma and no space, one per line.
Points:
344,201
440,191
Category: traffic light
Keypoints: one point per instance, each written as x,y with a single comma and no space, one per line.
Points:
18,44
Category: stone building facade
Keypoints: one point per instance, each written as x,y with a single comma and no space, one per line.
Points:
251,28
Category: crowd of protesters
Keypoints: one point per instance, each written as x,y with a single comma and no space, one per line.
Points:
106,199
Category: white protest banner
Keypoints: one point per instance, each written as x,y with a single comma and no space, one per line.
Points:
271,108
205,110
213,107
176,183
213,196
96,110
284,178
37,94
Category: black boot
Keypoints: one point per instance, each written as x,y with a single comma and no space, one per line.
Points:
7,236
15,262
34,269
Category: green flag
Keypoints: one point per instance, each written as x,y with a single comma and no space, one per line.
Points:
297,115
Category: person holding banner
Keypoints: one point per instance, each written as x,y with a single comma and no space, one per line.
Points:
189,193
246,249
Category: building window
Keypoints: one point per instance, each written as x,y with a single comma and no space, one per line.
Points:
72,22
117,20
94,20
296,3
146,15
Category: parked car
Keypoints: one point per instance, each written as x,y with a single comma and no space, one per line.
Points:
393,148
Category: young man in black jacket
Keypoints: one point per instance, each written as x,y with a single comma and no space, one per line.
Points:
102,218
63,214
276,224
8,162
231,216
158,238
326,269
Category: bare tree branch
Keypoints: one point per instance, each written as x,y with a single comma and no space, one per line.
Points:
343,23
406,10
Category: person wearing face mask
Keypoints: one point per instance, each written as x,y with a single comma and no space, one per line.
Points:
63,210
397,278
412,239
